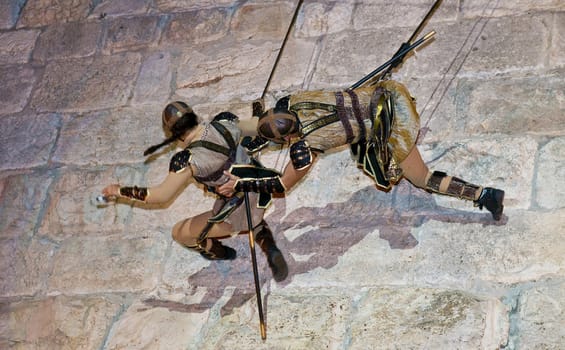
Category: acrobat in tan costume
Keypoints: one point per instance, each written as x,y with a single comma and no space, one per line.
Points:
380,123
209,149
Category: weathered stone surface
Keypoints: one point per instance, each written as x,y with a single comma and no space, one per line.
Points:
189,5
510,105
549,191
519,42
425,318
191,28
319,18
540,317
261,21
81,140
218,73
72,204
19,193
498,161
45,12
126,262
16,46
9,12
321,325
68,40
27,141
382,13
130,34
60,322
525,248
24,264
348,56
153,85
558,41
115,8
17,83
486,8
171,327
78,85
294,69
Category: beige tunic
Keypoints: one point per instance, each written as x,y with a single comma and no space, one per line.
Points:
404,129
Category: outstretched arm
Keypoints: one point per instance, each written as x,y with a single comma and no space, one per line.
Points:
162,193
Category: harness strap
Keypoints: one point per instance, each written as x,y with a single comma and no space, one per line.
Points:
357,112
342,114
228,152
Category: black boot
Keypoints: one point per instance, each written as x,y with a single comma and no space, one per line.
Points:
491,198
274,256
217,251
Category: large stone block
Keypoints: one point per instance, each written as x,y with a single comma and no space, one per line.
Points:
427,318
16,46
61,322
548,188
486,8
171,327
382,13
523,249
22,193
109,137
557,59
24,265
118,8
348,56
311,320
195,27
86,84
68,40
219,73
9,12
45,12
190,5
540,316
497,161
129,261
17,84
27,141
153,85
513,105
319,18
131,33
72,210
261,21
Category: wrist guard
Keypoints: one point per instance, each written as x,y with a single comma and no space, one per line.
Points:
261,185
137,193
255,144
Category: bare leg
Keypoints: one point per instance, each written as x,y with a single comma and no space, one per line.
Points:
416,171
188,232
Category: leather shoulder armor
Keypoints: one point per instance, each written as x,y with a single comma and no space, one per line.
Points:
225,116
180,161
300,155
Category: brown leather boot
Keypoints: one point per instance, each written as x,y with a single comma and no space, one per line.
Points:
217,251
265,240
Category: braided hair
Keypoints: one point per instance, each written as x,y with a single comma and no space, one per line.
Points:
182,118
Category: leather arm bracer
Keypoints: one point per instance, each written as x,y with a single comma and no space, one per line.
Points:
134,192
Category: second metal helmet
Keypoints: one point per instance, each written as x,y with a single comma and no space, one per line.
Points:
277,123
173,112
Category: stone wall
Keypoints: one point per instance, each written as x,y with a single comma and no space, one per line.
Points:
82,87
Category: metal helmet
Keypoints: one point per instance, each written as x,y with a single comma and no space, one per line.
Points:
277,123
173,112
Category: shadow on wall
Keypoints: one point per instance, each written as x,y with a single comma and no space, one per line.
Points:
328,233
